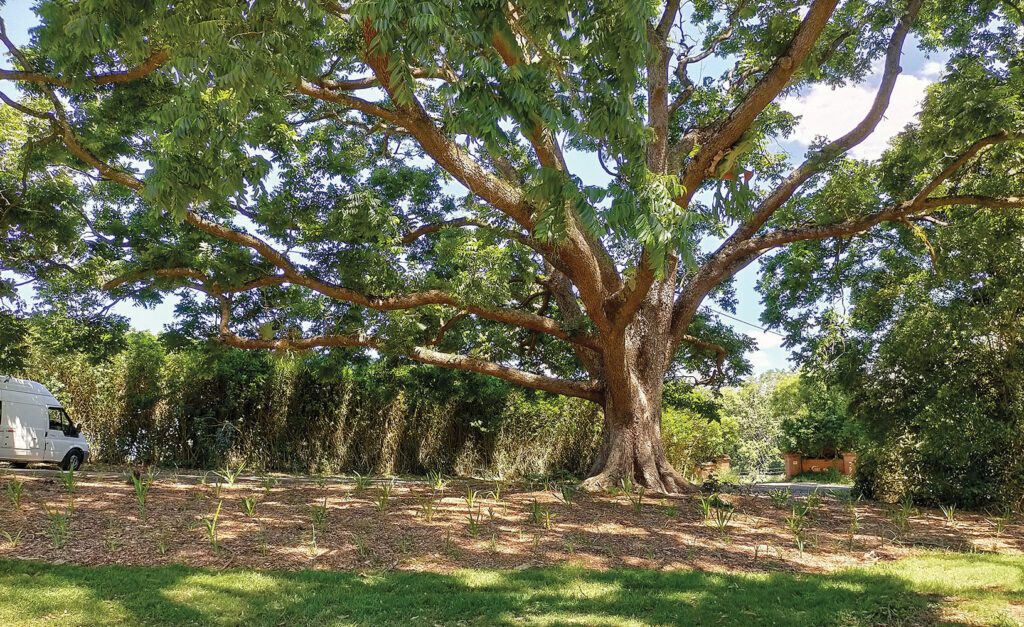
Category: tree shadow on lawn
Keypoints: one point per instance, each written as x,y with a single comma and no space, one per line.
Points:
35,591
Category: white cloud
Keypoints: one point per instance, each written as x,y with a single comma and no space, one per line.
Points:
770,355
834,112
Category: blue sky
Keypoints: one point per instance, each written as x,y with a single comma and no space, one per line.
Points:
823,111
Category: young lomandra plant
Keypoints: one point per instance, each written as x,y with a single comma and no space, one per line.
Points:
949,512
495,494
536,512
142,486
474,524
780,498
567,494
427,508
1000,521
211,527
470,497
67,479
637,500
15,488
57,526
797,524
229,475
437,481
12,540
901,514
360,481
384,495
722,519
853,527
249,506
704,506
318,515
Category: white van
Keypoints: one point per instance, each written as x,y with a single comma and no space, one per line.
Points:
35,428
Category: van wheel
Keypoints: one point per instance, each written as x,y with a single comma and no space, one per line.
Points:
72,461
19,464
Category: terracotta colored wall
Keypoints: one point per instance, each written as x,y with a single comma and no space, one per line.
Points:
795,464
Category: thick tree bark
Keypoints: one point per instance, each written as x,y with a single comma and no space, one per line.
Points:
636,359
632,445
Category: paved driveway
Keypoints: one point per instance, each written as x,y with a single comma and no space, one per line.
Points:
798,489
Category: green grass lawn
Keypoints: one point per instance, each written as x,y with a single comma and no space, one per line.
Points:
978,589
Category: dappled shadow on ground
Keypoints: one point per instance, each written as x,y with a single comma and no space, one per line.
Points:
526,526
178,595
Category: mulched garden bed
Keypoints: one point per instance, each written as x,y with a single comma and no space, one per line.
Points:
528,526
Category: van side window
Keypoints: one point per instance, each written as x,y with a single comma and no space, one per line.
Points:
57,420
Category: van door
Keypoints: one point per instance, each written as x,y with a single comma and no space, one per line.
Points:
57,439
25,424
6,434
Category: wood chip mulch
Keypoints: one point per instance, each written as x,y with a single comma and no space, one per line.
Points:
595,531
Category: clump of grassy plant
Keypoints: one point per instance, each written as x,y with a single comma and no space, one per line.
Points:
536,512
1000,520
853,527
268,482
635,494
495,494
437,481
58,526
566,494
318,515
15,489
384,495
142,486
813,502
67,479
12,540
162,542
474,524
427,508
722,519
704,506
211,527
779,498
320,479
547,517
470,497
949,513
901,514
711,503
249,505
360,481
230,475
797,525
626,485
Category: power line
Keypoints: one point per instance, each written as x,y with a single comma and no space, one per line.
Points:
750,324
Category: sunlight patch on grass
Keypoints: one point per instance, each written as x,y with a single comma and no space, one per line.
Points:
972,589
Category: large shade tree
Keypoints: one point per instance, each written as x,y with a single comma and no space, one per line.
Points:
295,164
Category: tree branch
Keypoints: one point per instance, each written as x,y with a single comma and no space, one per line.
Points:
858,134
588,390
715,140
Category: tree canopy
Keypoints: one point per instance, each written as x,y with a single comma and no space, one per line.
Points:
398,176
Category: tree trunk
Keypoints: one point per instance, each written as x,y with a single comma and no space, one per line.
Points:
635,364
632,445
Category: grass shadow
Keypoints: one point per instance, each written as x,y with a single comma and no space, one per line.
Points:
33,592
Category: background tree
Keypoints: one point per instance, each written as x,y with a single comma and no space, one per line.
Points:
302,145
920,325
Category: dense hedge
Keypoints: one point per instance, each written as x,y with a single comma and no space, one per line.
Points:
217,406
